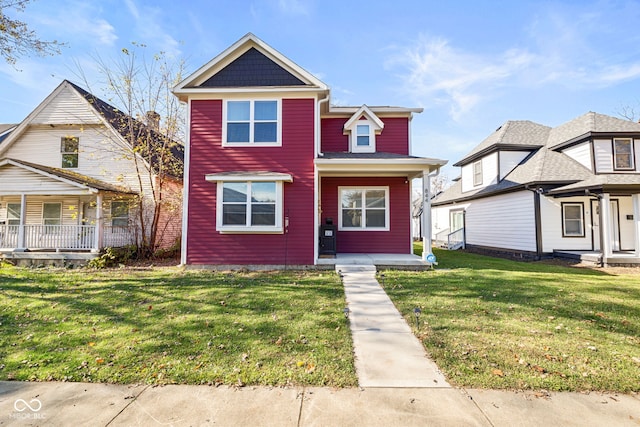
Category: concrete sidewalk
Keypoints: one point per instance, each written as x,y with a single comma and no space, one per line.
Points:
82,404
387,353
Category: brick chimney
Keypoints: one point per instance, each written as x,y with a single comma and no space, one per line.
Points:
153,120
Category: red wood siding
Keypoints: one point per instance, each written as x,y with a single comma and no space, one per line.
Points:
204,244
396,240
393,139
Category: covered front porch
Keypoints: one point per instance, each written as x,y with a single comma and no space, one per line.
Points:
50,210
364,208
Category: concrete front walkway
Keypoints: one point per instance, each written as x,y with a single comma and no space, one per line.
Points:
387,354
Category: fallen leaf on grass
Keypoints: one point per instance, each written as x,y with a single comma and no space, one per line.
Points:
498,372
310,368
91,344
99,360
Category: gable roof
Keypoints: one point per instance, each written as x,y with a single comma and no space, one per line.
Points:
248,63
5,131
70,177
111,117
366,112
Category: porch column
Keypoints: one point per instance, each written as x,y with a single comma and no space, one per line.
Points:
605,226
426,215
635,200
99,224
23,220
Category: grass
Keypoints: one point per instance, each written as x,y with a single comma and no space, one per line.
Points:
494,323
171,326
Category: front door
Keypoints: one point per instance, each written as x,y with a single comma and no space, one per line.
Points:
614,225
456,220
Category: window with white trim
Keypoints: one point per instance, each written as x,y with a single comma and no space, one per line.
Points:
363,137
572,220
249,206
51,217
364,208
119,213
69,150
477,173
623,154
13,213
249,122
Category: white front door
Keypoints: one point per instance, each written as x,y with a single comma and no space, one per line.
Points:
614,225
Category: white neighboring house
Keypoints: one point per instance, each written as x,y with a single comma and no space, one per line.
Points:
533,191
68,180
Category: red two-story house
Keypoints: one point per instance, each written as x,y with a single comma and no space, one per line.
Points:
269,163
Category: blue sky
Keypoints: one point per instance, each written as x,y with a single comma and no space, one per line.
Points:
470,64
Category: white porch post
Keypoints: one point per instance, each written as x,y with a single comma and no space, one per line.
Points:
635,200
605,228
23,221
99,224
426,215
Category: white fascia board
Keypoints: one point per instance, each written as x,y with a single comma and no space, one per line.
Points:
364,111
248,176
377,110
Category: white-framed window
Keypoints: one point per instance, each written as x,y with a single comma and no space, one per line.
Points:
363,208
119,213
477,173
623,154
249,207
69,150
363,137
51,217
572,219
252,122
13,213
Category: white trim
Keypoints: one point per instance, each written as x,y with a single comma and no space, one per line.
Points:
248,176
191,83
631,155
185,189
582,231
316,214
252,122
364,189
370,115
89,189
474,173
249,229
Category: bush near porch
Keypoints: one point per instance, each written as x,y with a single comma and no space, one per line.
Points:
494,323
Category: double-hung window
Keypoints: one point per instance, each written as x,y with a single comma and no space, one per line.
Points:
572,220
623,154
13,213
119,214
364,208
69,149
249,122
477,173
51,217
249,206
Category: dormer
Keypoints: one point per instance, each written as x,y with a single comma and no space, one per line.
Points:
362,128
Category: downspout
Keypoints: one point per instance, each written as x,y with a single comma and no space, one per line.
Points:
316,181
537,192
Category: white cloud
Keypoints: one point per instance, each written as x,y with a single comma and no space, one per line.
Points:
151,29
444,75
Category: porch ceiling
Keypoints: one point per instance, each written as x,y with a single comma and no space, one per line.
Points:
378,164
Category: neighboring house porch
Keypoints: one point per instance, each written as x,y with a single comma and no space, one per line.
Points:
51,210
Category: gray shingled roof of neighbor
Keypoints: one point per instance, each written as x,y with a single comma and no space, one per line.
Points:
601,182
76,177
511,134
589,123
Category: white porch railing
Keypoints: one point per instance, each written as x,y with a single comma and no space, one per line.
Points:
441,238
455,240
69,237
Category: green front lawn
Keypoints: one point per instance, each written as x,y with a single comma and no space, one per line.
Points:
494,323
171,326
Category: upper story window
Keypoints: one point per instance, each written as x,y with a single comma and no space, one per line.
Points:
477,173
364,208
69,149
623,154
362,128
252,122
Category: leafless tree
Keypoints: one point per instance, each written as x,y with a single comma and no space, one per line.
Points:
152,121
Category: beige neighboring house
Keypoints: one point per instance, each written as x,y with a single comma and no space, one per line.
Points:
69,184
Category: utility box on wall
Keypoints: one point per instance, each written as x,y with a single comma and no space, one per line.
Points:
328,239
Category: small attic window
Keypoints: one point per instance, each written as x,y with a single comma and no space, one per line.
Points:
362,129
